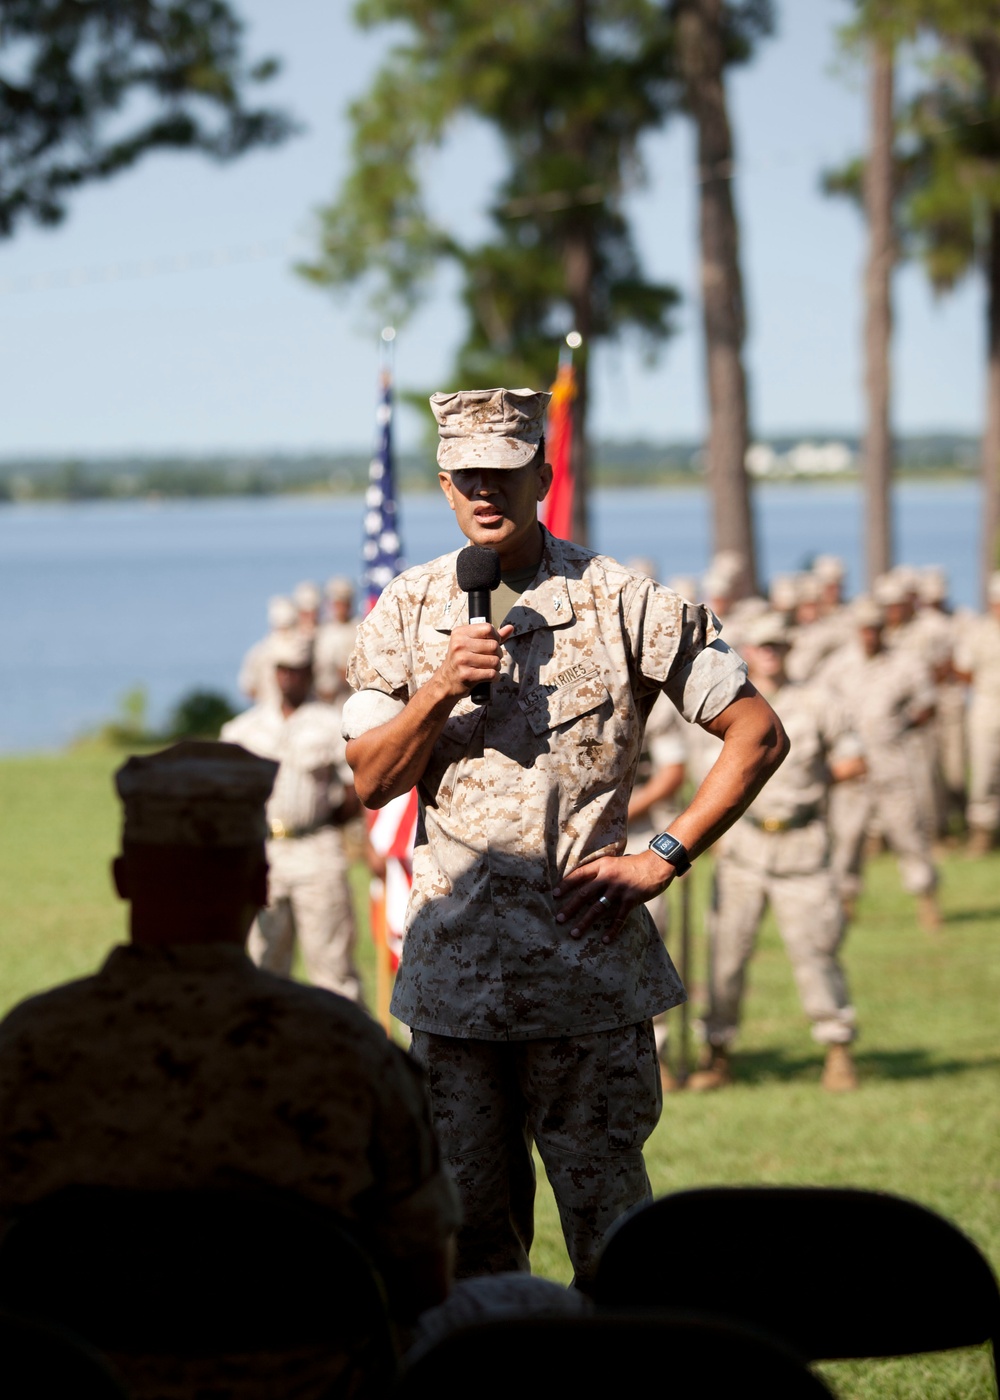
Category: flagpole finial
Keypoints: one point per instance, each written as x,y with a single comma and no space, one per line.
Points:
574,340
388,333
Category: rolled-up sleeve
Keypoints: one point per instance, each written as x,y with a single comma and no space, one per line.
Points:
677,645
367,709
376,671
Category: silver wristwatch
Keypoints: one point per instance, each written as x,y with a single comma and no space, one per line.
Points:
671,850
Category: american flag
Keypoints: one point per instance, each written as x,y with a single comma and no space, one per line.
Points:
381,555
391,830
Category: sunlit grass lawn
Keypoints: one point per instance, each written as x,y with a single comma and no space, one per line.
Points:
925,1123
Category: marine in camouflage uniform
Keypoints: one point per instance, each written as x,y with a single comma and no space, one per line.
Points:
180,1065
778,854
309,897
256,678
530,967
334,643
977,660
889,694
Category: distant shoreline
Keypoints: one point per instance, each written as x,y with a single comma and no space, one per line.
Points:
801,458
210,490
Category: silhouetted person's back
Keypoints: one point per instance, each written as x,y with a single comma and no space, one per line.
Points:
180,1064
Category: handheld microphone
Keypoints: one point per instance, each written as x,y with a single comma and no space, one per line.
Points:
478,573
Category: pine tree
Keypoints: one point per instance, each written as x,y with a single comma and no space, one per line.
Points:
570,87
87,89
943,180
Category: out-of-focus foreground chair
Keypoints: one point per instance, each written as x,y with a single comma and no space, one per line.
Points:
836,1273
39,1362
607,1355
161,1281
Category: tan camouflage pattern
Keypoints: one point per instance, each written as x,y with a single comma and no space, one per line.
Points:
309,896
496,428
788,870
189,1067
256,674
517,793
588,1102
663,746
815,642
331,653
883,694
309,903
309,748
978,654
820,730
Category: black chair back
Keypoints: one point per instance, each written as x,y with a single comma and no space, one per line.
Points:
693,1358
836,1273
39,1362
196,1273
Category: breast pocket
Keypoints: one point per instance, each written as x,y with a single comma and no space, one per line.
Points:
546,710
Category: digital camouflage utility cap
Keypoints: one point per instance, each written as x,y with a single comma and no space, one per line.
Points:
196,793
496,428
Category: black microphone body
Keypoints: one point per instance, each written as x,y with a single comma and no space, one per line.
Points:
478,573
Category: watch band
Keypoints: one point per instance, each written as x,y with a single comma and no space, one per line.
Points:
670,849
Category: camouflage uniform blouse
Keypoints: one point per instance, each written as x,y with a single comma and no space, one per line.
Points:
519,792
189,1067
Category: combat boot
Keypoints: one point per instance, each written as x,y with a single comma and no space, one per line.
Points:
929,913
980,841
716,1072
839,1073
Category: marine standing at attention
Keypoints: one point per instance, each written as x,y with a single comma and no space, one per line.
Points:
778,854
309,897
531,968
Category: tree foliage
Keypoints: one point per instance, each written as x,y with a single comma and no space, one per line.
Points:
947,158
89,86
570,87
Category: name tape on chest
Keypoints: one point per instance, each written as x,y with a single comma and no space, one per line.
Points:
578,672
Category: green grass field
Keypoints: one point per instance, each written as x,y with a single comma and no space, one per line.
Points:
925,1122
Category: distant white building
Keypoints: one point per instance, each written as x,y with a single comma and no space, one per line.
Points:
804,459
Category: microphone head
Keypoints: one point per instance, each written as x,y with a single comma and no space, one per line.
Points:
478,567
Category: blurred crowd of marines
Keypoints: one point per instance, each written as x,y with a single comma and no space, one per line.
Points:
892,703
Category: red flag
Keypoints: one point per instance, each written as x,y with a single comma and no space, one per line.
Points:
391,831
557,508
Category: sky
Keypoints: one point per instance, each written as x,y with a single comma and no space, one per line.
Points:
243,355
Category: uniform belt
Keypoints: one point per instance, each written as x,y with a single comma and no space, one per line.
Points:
800,819
278,831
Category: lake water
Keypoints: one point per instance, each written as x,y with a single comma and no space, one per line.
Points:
100,597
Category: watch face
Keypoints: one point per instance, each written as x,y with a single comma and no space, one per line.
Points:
671,850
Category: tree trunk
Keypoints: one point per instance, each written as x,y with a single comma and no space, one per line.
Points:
701,58
990,559
579,262
879,189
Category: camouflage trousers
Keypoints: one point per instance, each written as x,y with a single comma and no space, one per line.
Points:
897,811
587,1102
949,731
984,766
808,913
309,899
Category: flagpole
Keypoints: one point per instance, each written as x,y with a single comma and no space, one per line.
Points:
387,347
377,902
